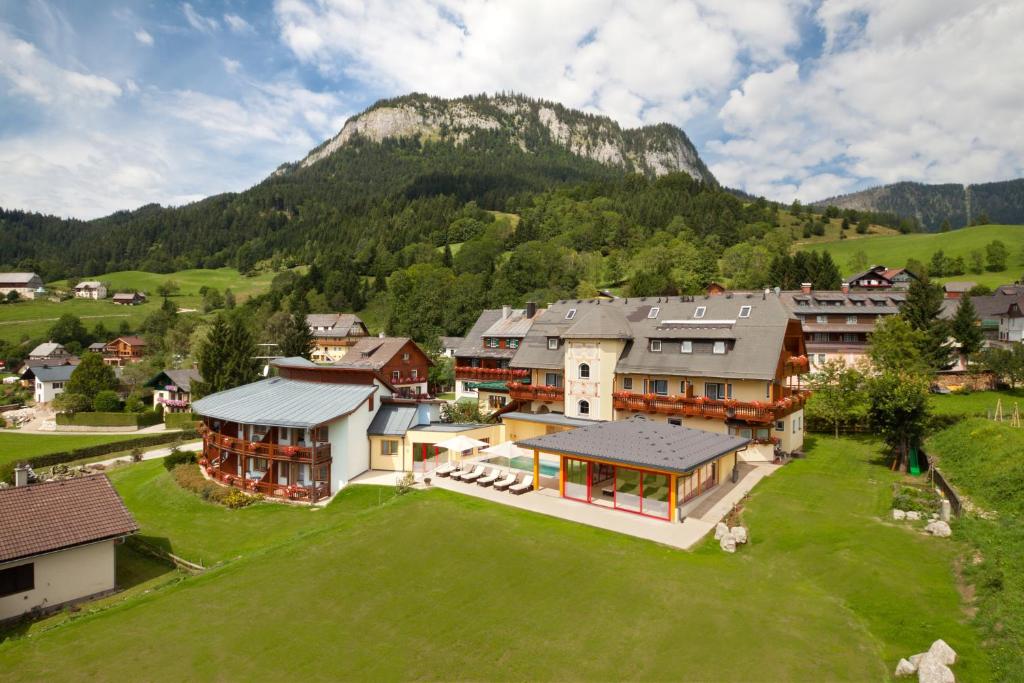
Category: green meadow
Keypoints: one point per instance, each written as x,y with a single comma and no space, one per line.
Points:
17,446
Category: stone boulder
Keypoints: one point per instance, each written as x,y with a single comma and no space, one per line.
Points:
728,543
913,515
905,668
931,670
899,515
739,533
940,529
941,651
721,529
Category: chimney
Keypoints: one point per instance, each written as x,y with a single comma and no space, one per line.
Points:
531,309
21,475
506,311
805,287
846,288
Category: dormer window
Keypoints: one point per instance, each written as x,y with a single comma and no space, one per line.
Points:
744,311
699,313
719,347
513,343
552,343
653,313
570,314
686,347
656,346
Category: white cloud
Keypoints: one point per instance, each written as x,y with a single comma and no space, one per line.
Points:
143,37
238,24
198,21
231,65
29,73
915,90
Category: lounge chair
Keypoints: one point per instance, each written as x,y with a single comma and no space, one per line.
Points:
506,482
526,485
492,476
474,475
445,469
464,469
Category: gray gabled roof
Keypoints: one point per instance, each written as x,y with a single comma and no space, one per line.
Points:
47,349
180,378
640,442
19,278
53,373
472,345
284,402
393,419
600,322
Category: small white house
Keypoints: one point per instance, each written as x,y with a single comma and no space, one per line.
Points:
90,289
48,380
57,542
1011,324
27,285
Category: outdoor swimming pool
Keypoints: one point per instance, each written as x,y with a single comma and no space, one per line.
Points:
525,463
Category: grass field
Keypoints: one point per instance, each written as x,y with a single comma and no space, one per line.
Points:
16,446
435,585
32,319
894,250
976,403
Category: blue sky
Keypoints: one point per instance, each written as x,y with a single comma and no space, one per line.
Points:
111,104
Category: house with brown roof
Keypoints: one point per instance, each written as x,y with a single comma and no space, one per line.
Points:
398,360
128,298
483,359
124,350
26,285
334,334
57,542
880,277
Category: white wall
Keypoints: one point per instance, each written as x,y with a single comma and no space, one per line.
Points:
46,391
63,576
350,446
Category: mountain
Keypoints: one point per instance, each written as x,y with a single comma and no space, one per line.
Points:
932,205
527,123
399,174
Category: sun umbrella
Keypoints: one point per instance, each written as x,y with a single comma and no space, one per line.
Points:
509,450
460,444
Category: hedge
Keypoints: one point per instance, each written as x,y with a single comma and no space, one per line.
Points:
7,469
90,419
180,420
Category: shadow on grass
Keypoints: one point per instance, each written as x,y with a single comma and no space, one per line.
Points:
14,629
137,563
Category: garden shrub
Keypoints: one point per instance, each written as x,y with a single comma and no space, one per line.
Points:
106,402
188,477
108,419
914,498
178,457
180,420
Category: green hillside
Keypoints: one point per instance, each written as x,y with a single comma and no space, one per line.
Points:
897,249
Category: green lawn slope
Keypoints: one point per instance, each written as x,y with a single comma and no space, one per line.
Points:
894,250
436,585
18,446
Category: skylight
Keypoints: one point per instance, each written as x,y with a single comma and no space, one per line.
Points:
744,311
699,313
570,314
653,313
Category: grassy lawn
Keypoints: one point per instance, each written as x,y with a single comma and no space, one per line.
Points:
32,319
16,445
435,585
895,250
976,403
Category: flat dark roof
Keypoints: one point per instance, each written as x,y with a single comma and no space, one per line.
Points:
642,443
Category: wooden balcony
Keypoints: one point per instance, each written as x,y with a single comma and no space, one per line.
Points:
518,391
308,454
294,492
712,409
796,365
493,374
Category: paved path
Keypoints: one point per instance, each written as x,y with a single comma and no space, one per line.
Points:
152,454
35,428
548,502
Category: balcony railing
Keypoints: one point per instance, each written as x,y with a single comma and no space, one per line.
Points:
796,365
750,411
310,494
310,454
533,392
497,374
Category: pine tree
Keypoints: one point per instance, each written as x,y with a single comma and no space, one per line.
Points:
227,358
827,276
91,377
297,339
964,329
446,259
921,310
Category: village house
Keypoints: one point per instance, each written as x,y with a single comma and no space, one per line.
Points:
728,364
124,350
49,351
57,542
334,334
90,289
172,389
405,436
128,298
956,290
47,381
837,325
26,285
449,345
398,359
880,277
483,360
1011,322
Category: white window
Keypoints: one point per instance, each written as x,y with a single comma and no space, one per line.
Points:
389,447
570,314
395,374
552,343
583,371
719,347
822,319
658,386
851,320
821,358
744,311
627,383
686,347
780,425
405,356
584,407
699,313
415,373
656,345
653,313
